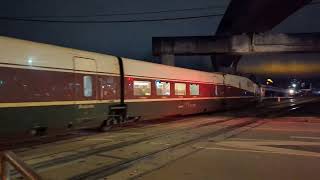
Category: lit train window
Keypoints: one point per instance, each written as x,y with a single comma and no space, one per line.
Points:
2,82
180,89
163,88
141,88
87,86
194,90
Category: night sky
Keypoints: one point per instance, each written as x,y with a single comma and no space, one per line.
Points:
133,40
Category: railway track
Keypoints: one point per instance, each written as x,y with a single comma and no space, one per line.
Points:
111,169
116,167
203,129
116,146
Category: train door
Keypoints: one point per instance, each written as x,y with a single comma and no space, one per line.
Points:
107,88
86,91
223,93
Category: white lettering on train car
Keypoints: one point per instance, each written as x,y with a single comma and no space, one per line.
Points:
86,106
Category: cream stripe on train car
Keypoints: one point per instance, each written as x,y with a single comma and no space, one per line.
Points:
62,103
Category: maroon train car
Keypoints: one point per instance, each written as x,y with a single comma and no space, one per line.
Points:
47,88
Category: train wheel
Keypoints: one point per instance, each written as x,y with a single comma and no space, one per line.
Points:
34,132
38,131
121,120
136,119
106,126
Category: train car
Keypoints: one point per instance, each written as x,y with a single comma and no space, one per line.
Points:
168,91
46,88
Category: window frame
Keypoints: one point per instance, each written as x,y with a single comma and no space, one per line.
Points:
150,88
168,88
175,90
198,86
87,88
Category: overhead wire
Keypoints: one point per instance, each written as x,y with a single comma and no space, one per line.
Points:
110,21
122,14
44,19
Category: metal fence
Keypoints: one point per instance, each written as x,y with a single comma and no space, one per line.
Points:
7,159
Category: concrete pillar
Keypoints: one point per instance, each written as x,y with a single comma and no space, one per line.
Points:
168,59
215,65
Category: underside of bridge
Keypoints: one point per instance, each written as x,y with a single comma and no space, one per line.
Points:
242,16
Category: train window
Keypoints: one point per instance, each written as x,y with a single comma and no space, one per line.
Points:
141,88
2,82
163,88
194,90
87,86
180,89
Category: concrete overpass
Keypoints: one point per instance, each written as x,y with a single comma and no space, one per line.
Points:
245,16
237,44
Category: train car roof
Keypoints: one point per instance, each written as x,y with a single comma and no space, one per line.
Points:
151,70
33,54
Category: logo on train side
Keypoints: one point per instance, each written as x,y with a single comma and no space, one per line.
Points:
86,106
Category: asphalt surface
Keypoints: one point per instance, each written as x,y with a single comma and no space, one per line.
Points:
275,140
285,147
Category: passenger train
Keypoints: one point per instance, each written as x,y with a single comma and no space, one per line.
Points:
46,88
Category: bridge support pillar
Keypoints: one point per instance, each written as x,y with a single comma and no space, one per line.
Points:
225,63
168,59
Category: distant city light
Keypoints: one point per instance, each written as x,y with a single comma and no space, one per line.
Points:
294,85
291,91
270,80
